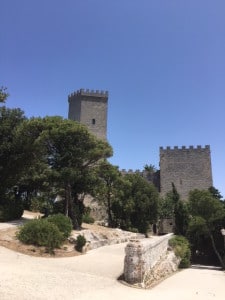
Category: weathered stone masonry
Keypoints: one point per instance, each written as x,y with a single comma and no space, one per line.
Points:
142,256
89,107
188,168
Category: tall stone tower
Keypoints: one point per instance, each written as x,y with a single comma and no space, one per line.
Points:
188,168
90,107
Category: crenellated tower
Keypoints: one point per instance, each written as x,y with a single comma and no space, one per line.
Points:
89,107
188,168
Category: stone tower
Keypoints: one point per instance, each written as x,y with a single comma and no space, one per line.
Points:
90,108
188,168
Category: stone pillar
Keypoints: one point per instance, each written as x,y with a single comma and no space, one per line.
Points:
142,256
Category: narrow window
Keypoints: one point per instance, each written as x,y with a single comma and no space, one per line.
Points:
93,121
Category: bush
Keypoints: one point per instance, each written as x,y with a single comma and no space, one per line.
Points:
80,242
181,249
133,229
40,232
36,204
59,207
86,218
63,223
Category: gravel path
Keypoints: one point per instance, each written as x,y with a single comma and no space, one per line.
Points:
94,276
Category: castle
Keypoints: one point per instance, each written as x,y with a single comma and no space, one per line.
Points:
188,168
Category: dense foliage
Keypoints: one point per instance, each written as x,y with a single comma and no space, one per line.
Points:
40,232
63,223
207,218
86,217
45,158
181,248
107,187
12,158
173,207
136,205
11,208
49,232
80,242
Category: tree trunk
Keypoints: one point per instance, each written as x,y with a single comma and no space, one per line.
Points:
216,252
66,201
110,220
70,208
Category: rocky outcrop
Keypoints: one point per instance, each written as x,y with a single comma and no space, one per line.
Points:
99,238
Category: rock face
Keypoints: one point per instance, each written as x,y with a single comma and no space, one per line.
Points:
102,237
148,260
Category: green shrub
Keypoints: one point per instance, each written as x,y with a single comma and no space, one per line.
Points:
63,223
80,242
86,218
36,204
181,249
40,232
132,229
59,207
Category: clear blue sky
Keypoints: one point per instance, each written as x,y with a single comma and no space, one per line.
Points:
162,61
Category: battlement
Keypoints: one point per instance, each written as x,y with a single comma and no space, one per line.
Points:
89,93
198,147
130,171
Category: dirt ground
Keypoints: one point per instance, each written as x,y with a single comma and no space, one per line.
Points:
9,240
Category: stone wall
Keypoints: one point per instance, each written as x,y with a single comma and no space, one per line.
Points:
142,256
188,168
166,225
152,177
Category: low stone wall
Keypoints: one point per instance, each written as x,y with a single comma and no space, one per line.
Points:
143,255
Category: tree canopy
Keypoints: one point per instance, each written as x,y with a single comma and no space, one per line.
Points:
50,154
67,153
3,94
136,205
207,214
11,160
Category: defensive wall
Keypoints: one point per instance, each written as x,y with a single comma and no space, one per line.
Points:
142,257
188,168
89,107
152,177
